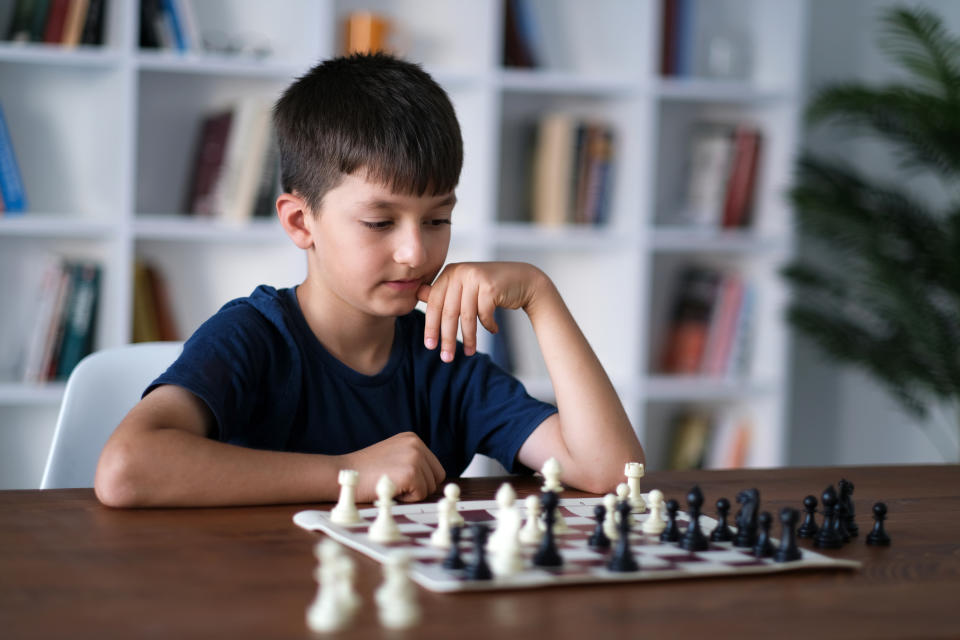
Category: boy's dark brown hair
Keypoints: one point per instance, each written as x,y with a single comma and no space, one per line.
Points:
367,111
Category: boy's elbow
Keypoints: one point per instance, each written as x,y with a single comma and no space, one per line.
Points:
115,479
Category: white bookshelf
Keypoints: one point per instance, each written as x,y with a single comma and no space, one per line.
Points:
104,136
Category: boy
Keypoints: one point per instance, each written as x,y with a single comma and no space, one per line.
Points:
277,392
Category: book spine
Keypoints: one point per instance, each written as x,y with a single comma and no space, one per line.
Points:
687,333
76,16
709,171
22,21
80,318
668,42
11,183
553,167
38,21
208,162
741,188
172,15
723,325
44,318
54,339
92,32
738,362
56,20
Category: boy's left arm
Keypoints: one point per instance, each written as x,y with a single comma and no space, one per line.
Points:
590,435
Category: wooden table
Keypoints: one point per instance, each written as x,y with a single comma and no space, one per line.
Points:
71,568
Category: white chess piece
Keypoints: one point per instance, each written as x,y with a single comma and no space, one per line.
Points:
452,493
634,471
506,513
623,493
654,524
396,597
531,534
551,472
335,602
346,510
610,519
440,537
507,555
384,528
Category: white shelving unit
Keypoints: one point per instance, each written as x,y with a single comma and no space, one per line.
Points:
104,136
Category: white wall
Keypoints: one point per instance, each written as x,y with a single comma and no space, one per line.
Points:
839,415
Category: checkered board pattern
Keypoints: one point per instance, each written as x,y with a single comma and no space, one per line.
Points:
581,564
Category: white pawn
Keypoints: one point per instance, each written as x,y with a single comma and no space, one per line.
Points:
506,514
452,493
346,510
397,598
610,519
531,534
655,525
634,471
623,493
335,602
551,472
440,537
384,529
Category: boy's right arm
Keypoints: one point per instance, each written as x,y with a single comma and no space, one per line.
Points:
160,455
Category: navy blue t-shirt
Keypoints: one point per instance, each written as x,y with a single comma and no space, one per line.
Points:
272,385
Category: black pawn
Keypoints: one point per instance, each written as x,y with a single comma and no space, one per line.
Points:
722,532
827,537
547,555
878,536
809,527
453,561
693,539
479,570
672,532
763,547
788,551
845,488
622,559
599,539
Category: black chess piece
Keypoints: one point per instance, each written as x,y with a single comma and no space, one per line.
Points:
547,555
598,539
722,531
845,488
827,537
878,536
454,561
809,527
622,559
763,548
749,500
839,522
672,532
788,550
479,570
693,539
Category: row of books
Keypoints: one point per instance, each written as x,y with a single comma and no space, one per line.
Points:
169,24
65,320
710,325
13,196
702,439
61,22
722,173
152,314
571,172
236,169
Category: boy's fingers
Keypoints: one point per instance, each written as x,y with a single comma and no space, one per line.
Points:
486,313
439,473
423,293
468,319
449,317
431,330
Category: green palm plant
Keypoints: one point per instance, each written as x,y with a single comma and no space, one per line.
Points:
883,291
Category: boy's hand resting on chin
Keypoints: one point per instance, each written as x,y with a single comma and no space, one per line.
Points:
466,291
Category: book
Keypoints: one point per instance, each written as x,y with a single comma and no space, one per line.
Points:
553,170
517,45
687,331
265,205
677,35
730,440
22,21
689,435
209,153
12,191
723,326
80,317
741,351
46,314
73,28
56,20
741,184
243,174
92,32
173,22
152,314
38,21
708,171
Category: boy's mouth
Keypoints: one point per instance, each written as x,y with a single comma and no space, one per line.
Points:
404,285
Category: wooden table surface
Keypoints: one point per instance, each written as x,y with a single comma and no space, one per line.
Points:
71,568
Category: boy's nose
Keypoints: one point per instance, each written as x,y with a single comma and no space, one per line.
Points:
410,249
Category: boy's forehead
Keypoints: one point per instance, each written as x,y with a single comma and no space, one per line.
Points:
366,191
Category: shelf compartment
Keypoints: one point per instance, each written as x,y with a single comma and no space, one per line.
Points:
682,239
520,235
704,388
178,228
34,225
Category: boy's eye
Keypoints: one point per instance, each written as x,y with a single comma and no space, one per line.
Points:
378,225
437,222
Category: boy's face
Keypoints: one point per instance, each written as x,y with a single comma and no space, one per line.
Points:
374,248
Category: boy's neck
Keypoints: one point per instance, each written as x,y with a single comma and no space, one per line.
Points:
360,341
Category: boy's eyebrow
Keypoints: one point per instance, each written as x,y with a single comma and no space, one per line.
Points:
379,204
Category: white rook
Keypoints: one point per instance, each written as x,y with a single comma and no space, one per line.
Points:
634,471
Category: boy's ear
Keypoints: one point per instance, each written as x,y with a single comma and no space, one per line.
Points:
296,219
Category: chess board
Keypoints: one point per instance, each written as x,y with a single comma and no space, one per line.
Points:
581,564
